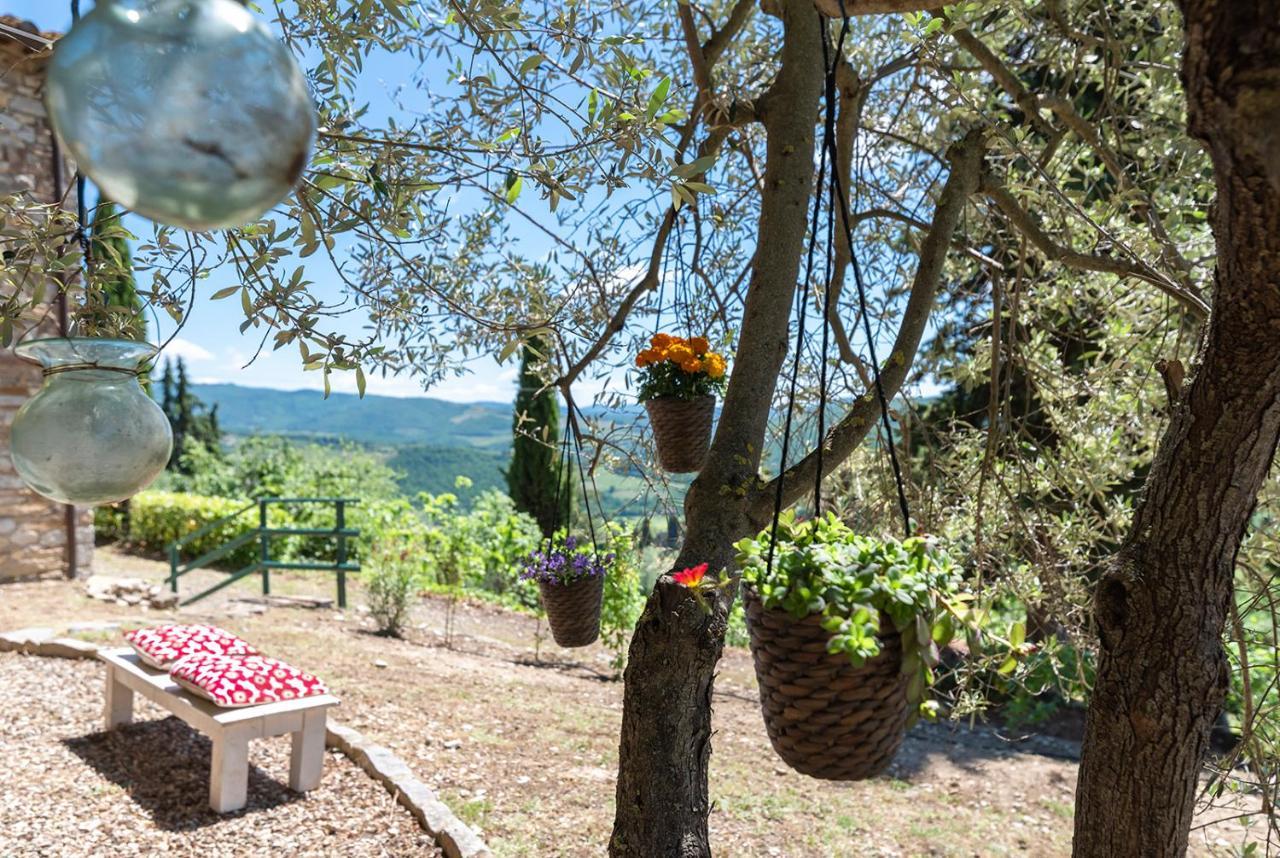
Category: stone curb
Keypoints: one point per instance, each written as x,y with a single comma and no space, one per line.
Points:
453,835
44,642
435,817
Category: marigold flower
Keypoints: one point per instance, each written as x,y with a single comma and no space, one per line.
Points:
699,345
660,341
692,576
714,365
679,353
691,366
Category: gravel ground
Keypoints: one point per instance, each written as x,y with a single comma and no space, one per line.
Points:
67,789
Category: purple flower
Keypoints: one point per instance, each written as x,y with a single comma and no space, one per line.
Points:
565,561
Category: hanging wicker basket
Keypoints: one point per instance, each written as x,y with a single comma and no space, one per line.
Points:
682,430
573,610
825,717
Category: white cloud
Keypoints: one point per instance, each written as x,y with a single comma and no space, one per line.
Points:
187,350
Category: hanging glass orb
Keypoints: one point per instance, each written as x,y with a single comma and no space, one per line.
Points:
188,112
91,435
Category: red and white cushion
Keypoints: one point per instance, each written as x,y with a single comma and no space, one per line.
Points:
235,681
161,646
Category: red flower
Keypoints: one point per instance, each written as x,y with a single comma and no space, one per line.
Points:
692,576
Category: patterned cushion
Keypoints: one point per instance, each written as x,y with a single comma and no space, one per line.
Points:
235,681
161,646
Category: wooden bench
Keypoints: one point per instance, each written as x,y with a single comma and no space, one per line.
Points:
229,729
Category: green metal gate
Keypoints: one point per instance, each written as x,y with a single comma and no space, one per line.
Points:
263,534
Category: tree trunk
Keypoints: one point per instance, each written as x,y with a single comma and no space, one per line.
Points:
662,795
1161,607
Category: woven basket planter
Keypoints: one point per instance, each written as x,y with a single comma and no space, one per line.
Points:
825,717
573,610
682,431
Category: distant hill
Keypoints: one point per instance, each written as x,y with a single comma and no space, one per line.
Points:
378,420
427,468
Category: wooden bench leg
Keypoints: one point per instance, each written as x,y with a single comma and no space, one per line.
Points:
306,763
119,708
229,775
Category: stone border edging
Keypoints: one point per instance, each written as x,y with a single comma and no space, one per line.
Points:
46,643
455,838
453,835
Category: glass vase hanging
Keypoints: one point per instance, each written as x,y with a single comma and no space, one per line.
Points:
188,112
91,435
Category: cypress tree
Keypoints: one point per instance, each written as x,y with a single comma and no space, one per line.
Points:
113,268
534,469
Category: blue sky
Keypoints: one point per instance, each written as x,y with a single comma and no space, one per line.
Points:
210,342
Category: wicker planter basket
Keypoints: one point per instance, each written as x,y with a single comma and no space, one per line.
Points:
573,610
682,430
825,717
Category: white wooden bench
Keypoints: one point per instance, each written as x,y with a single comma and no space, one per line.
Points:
229,729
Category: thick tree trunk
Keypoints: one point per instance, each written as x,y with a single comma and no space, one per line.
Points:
662,795
1161,608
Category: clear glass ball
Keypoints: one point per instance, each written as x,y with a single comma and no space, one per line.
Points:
91,435
188,112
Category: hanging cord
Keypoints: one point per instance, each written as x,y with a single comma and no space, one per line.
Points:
564,495
847,235
802,313
576,434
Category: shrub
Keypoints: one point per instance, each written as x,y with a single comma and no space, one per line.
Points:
623,597
392,577
156,519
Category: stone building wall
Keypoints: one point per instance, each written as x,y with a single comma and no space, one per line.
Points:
33,531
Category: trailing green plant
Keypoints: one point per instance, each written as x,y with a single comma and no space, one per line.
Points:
855,583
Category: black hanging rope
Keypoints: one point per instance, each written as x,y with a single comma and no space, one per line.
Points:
802,315
847,234
828,156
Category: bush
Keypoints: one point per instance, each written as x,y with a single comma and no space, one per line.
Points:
623,597
393,575
154,520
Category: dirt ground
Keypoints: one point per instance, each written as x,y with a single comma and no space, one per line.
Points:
521,739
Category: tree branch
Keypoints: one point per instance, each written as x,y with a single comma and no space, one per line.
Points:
854,8
697,57
1025,223
1066,113
966,174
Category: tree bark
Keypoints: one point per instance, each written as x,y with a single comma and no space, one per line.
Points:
1162,605
665,746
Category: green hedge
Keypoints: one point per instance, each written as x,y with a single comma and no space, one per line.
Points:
153,520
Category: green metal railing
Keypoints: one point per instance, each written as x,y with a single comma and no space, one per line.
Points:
263,534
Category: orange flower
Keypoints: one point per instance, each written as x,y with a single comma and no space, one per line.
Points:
679,353
642,359
660,341
699,345
714,364
691,366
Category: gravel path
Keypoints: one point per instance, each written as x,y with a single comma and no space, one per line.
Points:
67,789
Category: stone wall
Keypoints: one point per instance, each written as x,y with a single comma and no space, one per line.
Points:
33,530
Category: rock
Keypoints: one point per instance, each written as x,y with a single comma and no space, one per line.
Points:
377,662
24,640
67,648
130,592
